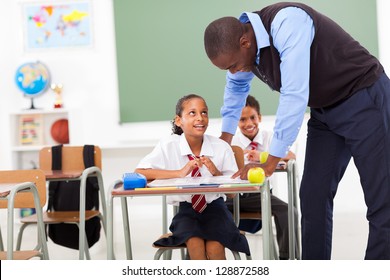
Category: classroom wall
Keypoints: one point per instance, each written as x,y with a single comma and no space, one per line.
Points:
89,77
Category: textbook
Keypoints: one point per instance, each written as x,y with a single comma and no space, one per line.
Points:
198,182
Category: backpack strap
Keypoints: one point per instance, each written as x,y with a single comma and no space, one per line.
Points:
89,160
89,155
56,164
56,157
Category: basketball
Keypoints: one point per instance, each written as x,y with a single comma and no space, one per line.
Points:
60,131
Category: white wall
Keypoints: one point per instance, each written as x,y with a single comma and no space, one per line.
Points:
90,87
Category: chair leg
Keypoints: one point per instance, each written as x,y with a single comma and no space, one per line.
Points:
183,253
160,252
236,255
86,248
20,236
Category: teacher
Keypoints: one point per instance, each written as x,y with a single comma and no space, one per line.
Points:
313,62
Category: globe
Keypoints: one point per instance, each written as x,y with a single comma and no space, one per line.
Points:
33,79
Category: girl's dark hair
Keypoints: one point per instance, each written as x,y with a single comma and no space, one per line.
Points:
179,110
253,103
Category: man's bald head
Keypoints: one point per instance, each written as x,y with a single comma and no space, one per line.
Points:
222,36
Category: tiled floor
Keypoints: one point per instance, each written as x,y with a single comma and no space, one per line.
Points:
349,241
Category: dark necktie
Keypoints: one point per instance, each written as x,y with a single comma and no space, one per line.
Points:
198,200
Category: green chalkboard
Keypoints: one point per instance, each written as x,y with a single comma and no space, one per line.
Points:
160,53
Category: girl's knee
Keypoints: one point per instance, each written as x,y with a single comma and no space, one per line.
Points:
215,250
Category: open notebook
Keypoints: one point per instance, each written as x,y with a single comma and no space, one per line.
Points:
199,182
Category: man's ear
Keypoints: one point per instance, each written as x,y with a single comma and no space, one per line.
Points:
244,42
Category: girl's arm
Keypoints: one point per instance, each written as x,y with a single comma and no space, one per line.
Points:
152,174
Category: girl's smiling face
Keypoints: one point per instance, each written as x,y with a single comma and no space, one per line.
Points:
249,122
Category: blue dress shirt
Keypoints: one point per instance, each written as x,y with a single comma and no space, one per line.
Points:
292,31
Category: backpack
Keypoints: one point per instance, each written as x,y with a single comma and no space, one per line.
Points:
65,196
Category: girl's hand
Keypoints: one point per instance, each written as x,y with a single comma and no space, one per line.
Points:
191,165
210,166
252,155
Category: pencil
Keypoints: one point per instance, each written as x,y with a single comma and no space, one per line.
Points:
157,188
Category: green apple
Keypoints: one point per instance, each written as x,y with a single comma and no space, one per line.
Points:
263,157
256,175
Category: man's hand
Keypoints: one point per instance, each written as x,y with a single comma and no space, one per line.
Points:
268,167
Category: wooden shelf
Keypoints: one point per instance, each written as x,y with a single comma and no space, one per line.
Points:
31,131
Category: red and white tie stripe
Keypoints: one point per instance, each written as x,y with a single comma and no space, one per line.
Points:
198,200
253,145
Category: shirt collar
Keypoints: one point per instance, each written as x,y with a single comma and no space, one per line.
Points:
245,141
186,150
262,37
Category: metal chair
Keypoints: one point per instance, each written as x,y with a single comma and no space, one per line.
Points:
23,189
72,162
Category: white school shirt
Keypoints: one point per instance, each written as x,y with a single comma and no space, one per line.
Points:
263,138
171,153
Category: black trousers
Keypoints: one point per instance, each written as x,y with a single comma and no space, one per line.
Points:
357,128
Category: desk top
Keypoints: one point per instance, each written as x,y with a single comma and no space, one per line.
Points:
119,191
5,189
61,175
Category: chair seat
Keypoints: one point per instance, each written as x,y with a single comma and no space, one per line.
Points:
250,215
166,235
21,255
61,217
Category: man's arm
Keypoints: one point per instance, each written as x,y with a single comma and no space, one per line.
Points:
236,91
293,32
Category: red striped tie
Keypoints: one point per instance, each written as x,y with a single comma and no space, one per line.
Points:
198,200
253,145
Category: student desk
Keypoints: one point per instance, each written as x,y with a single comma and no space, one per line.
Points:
116,191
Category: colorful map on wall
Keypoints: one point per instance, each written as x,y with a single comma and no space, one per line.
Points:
57,26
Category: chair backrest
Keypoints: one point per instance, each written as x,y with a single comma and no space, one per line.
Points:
72,158
25,200
239,156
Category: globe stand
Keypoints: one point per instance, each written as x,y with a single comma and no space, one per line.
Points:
32,107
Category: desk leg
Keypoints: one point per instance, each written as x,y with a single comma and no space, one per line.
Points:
126,228
110,222
266,218
1,242
164,215
168,253
295,199
291,221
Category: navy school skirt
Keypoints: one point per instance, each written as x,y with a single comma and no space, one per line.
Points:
214,223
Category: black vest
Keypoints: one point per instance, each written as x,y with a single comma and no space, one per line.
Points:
339,65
